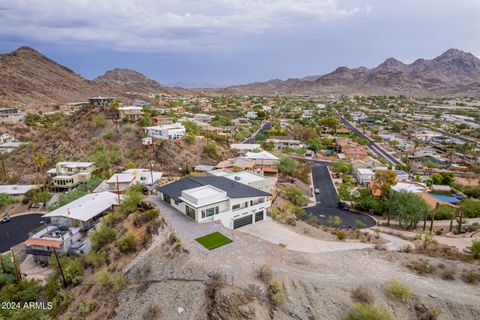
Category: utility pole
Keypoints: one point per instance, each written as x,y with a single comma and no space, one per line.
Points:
60,267
151,172
118,190
459,220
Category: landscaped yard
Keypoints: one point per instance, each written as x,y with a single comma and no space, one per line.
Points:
213,240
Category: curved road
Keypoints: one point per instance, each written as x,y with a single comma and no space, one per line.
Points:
326,200
16,231
371,144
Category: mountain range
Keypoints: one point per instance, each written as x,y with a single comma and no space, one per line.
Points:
453,73
28,78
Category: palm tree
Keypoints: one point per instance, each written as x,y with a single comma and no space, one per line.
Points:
40,162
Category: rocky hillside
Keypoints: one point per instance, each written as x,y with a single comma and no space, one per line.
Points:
30,79
454,73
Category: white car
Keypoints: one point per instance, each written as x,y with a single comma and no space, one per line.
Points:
317,191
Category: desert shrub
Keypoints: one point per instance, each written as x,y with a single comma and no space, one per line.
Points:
152,312
299,212
96,258
398,291
359,224
210,149
72,269
448,274
421,267
277,291
475,249
87,307
426,312
265,273
114,281
291,221
361,311
335,220
189,138
341,235
471,277
362,295
102,236
295,195
126,243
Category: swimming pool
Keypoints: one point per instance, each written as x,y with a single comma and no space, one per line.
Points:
447,199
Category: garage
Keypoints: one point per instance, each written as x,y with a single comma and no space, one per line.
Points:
237,223
258,216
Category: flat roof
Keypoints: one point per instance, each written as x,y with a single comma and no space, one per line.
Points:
43,242
13,189
245,146
263,155
86,207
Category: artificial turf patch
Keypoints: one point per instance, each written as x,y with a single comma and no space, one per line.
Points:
213,240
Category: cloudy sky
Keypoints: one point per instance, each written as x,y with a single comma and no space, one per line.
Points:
222,42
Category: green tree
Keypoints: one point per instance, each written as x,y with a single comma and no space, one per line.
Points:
5,199
407,208
99,121
287,166
471,208
315,144
210,149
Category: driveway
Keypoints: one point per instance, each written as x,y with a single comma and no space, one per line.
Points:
16,231
275,233
267,125
326,200
188,229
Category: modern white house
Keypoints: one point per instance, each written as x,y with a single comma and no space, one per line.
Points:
101,101
251,115
365,175
11,115
68,174
203,118
174,131
249,178
212,198
6,137
120,182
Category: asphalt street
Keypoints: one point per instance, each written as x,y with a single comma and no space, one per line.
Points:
371,144
267,125
16,231
326,200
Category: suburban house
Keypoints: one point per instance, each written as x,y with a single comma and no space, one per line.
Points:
101,101
281,144
249,178
211,198
84,212
262,158
69,224
120,182
41,244
11,115
11,146
131,113
201,117
174,131
17,191
245,147
161,120
67,175
364,175
237,163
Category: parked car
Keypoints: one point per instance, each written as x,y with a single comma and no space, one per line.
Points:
317,191
6,218
343,205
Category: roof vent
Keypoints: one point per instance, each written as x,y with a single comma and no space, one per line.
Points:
237,178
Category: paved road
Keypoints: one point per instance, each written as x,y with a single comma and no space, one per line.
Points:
267,125
371,144
16,231
327,199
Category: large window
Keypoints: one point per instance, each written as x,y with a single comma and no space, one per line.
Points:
190,212
166,198
239,206
210,212
257,201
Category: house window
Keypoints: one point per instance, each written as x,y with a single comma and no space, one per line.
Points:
166,198
255,202
210,212
190,212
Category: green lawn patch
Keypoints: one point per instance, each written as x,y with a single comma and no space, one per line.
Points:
213,240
